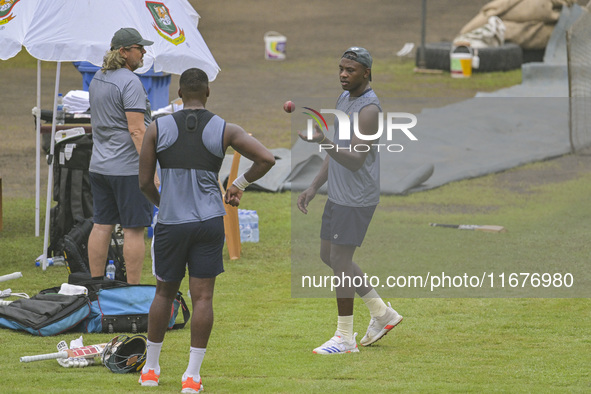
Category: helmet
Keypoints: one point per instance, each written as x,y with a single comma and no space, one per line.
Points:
125,354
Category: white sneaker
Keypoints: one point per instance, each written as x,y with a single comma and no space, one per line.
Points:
337,345
380,326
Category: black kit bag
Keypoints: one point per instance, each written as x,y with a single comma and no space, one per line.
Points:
76,247
76,251
71,189
71,218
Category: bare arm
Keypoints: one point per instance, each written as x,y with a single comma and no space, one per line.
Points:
137,129
252,149
148,165
307,195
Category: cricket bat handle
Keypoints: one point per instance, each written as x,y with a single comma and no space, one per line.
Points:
80,352
14,275
444,225
48,356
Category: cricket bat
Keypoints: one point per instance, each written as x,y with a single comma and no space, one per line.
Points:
473,227
79,352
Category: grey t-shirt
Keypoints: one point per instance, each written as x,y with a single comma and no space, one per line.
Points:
112,94
359,188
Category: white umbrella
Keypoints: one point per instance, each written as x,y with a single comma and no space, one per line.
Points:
15,18
81,30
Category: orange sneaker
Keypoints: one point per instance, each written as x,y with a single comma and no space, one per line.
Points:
149,378
189,386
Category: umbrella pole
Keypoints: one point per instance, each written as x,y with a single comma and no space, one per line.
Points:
422,63
50,170
38,148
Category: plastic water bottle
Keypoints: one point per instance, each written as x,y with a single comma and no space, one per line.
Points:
55,260
49,262
60,116
154,221
245,226
241,223
111,270
254,224
154,212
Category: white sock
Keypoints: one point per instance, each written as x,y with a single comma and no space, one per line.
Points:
377,307
195,359
345,327
152,357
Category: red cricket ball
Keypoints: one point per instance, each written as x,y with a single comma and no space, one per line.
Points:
289,107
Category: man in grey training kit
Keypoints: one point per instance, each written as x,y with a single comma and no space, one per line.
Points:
120,113
353,177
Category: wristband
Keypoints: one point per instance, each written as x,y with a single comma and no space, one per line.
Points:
241,182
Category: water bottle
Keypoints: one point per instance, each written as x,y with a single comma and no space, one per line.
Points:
55,260
254,224
154,221
244,225
111,270
155,213
60,116
241,223
59,260
49,262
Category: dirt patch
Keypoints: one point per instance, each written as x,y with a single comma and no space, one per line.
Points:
447,209
525,179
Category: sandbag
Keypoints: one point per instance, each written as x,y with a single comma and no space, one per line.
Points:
529,23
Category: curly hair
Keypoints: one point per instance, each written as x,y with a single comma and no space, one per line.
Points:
113,60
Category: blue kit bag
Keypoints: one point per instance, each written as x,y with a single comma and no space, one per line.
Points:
46,314
110,306
125,309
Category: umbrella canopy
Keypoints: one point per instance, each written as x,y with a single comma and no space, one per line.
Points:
81,30
14,25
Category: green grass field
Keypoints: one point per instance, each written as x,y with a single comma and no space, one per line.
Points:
262,338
